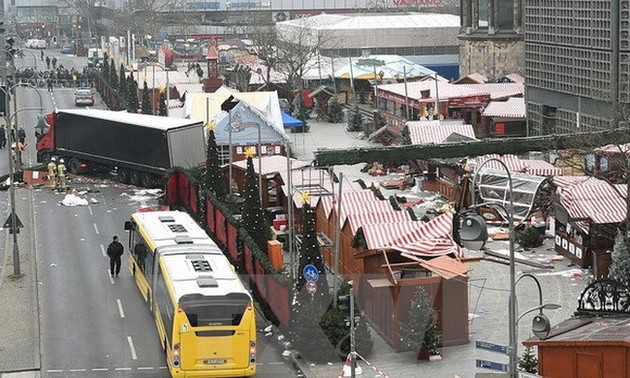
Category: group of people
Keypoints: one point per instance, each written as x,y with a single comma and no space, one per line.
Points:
57,174
58,76
21,136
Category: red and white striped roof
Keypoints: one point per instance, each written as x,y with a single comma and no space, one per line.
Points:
394,216
598,202
514,107
612,149
272,164
432,247
436,132
329,202
516,164
390,235
564,181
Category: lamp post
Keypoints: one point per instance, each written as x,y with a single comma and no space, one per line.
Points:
8,119
474,225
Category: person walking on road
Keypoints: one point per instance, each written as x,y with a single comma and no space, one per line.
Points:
47,62
61,174
114,250
54,62
52,173
22,135
42,55
3,137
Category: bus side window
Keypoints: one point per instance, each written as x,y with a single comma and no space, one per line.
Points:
148,266
140,252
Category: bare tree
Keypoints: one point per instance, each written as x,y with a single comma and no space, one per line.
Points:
265,42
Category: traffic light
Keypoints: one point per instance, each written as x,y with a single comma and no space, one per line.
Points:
343,302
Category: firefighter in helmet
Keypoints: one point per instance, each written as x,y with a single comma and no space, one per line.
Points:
52,173
61,174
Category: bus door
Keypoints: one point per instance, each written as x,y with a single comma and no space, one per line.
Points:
218,334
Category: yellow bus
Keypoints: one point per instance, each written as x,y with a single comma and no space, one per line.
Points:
203,313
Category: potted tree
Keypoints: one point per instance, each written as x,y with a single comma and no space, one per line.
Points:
420,332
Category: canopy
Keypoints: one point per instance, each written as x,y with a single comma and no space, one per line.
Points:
290,122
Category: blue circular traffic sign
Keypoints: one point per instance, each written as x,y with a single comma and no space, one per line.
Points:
310,273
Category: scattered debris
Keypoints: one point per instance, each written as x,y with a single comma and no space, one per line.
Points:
577,273
73,200
93,201
141,195
53,264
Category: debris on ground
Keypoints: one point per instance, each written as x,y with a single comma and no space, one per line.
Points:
73,200
141,195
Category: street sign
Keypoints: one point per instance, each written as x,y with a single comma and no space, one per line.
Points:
310,273
492,365
311,287
9,224
492,347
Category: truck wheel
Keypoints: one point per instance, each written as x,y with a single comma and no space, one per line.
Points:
46,158
134,178
75,166
147,180
123,176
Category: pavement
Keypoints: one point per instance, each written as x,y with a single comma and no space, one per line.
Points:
19,319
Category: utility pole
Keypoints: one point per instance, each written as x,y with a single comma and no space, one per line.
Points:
353,353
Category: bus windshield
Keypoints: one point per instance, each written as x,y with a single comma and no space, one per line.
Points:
214,311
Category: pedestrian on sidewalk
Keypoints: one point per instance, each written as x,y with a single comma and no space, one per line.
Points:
47,62
3,137
22,135
114,250
42,55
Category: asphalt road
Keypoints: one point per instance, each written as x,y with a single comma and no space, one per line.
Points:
93,325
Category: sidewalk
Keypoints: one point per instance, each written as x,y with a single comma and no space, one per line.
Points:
19,318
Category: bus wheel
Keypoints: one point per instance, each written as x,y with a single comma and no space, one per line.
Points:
147,180
134,178
46,158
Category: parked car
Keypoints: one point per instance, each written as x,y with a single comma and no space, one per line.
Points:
84,97
67,49
40,44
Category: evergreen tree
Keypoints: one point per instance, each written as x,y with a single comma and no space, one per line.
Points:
253,219
528,362
113,76
404,134
378,122
362,98
105,68
132,95
310,254
420,330
162,111
146,99
122,83
299,109
620,264
355,123
335,113
214,179
306,332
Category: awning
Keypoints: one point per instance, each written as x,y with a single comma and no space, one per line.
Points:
290,122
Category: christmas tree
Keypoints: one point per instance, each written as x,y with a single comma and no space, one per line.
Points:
404,134
310,254
620,261
528,362
420,331
105,68
306,332
214,176
113,76
253,216
335,113
122,83
162,111
132,95
362,98
146,99
355,123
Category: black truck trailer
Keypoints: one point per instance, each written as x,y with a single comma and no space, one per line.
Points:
141,148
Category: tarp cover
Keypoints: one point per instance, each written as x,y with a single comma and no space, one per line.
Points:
290,122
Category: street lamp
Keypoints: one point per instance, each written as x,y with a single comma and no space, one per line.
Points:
473,231
8,119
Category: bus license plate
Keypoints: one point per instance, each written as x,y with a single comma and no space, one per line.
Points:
215,362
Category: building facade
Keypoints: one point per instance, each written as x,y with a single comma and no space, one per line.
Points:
577,64
491,38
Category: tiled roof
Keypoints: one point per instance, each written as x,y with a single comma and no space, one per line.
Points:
436,132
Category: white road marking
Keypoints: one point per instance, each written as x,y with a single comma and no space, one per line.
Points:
103,250
145,368
95,228
111,279
275,363
54,371
123,369
100,369
76,370
162,367
134,356
90,210
120,309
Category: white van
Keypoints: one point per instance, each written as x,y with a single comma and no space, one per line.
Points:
30,43
40,44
